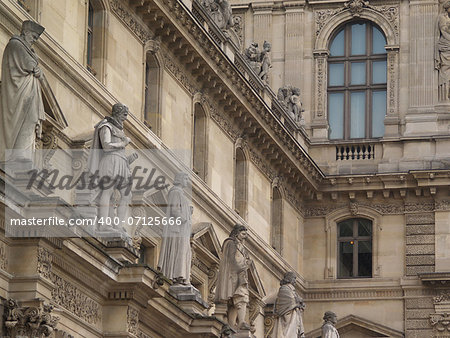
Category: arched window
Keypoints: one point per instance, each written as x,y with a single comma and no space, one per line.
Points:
277,220
354,248
357,82
152,115
199,153
240,183
95,37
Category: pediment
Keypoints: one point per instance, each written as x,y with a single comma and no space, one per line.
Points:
356,327
254,282
204,237
51,106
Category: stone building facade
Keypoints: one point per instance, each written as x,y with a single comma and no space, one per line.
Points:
353,197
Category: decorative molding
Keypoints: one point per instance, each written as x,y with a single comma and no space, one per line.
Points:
385,209
269,324
356,7
264,167
72,299
213,273
353,294
140,30
419,207
173,68
133,320
44,262
442,205
3,256
440,322
443,297
33,321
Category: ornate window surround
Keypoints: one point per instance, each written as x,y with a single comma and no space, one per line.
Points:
241,144
321,51
331,221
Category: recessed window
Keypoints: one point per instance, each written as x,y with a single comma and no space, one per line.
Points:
357,82
152,116
355,248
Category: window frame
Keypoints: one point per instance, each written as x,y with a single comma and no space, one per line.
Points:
347,88
356,238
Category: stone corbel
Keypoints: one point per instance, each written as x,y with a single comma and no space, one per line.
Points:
153,45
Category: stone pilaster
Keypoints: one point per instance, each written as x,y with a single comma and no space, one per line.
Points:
294,42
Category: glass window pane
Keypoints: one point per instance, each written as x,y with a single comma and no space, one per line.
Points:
379,41
364,227
358,73
336,74
336,115
357,114
379,72
365,259
345,259
346,229
338,45
378,113
359,39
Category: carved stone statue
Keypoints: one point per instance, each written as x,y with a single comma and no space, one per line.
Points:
175,257
226,332
288,310
21,99
290,98
220,12
107,159
442,49
266,62
253,56
328,328
258,60
232,281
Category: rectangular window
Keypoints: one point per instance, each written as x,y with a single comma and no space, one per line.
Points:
358,114
378,113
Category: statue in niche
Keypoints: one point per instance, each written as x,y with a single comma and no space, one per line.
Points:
290,98
266,62
328,328
288,310
232,281
220,12
442,50
21,98
107,160
175,257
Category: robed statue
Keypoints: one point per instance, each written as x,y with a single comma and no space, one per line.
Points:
232,281
22,109
328,328
175,256
442,49
109,162
288,310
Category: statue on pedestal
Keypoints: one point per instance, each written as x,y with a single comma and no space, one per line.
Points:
288,310
22,110
232,281
266,62
289,97
107,160
220,12
175,256
328,328
442,51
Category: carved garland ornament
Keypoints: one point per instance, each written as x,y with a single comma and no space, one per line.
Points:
390,12
133,320
44,262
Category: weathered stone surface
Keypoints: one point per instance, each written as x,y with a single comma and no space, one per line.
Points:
419,229
426,249
414,270
420,260
420,303
420,239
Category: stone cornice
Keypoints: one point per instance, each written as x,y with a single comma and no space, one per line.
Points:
187,39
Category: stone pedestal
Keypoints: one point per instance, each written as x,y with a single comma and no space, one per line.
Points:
221,311
243,334
119,247
189,298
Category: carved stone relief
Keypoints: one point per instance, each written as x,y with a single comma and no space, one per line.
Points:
130,20
35,321
133,320
44,262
